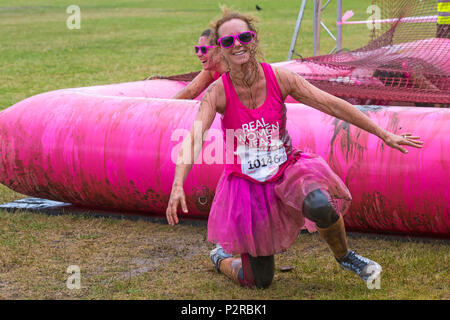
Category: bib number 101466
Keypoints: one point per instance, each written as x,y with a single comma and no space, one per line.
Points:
261,164
269,160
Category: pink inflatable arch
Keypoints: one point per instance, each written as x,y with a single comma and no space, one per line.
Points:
112,147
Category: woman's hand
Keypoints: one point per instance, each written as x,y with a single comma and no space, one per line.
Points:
177,197
213,101
395,141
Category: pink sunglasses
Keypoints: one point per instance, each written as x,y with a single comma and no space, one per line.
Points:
243,37
203,49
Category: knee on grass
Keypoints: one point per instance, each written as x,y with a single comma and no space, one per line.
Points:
263,269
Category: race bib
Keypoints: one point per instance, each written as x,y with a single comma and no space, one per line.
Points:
259,164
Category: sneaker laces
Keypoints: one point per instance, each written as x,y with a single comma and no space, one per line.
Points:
217,255
354,262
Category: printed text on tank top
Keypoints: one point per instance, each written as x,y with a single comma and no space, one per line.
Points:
260,133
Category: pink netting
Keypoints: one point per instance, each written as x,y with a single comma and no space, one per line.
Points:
405,60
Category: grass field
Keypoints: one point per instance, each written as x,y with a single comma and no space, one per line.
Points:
121,259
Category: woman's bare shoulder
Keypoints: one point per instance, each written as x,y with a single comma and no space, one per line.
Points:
285,78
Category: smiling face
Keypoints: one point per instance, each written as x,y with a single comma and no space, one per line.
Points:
239,53
206,59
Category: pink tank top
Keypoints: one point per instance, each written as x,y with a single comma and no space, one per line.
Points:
216,75
257,144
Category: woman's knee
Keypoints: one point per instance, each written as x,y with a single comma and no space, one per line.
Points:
263,269
317,208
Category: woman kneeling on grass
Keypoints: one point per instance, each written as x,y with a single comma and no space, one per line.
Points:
258,211
212,67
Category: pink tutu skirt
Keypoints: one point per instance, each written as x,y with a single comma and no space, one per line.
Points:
265,219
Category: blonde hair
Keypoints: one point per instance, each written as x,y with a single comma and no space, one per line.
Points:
227,15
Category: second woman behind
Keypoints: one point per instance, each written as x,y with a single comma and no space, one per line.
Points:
212,67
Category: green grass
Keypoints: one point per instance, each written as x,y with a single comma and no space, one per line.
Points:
128,41
122,259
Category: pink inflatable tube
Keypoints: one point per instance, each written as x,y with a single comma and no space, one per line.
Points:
111,147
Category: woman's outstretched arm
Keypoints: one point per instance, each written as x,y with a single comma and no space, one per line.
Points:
304,92
196,86
212,102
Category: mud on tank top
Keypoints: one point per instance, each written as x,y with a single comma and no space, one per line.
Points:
257,144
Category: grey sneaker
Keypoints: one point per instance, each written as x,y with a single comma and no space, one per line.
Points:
363,267
217,255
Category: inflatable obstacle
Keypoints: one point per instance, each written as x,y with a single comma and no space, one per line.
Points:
115,146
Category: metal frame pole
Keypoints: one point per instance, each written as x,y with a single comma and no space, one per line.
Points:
316,25
297,29
339,26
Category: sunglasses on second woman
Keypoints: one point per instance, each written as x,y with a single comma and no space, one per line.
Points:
243,37
203,49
